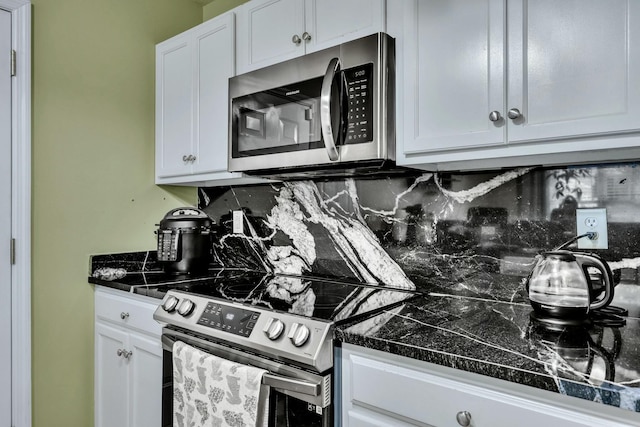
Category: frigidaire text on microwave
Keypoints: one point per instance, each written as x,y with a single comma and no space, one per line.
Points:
331,111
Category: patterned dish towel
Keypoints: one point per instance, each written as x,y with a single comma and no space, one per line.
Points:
211,391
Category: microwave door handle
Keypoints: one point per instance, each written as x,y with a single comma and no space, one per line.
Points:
325,109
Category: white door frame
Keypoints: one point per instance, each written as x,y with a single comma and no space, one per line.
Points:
21,211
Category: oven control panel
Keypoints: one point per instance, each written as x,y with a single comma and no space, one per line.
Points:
279,335
234,320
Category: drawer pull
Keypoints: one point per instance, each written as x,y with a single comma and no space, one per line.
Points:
124,315
464,418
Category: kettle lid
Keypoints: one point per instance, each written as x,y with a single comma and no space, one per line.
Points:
559,255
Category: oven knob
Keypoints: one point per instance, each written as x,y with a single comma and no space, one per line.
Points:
274,328
186,307
170,304
299,334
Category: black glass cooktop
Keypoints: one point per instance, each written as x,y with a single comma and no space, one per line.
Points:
306,296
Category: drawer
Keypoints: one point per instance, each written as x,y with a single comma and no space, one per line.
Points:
127,310
419,396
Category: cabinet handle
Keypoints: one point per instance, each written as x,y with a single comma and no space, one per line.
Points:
185,159
514,114
495,116
464,418
124,353
296,39
306,36
124,315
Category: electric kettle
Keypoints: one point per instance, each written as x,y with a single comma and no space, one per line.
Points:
561,284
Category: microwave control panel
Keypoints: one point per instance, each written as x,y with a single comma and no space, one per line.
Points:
360,116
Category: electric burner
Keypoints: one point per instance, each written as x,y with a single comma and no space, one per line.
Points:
303,296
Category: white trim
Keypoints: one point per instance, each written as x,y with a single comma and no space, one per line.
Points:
21,212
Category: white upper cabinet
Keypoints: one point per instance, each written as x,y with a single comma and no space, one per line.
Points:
192,74
271,31
453,74
192,87
574,68
174,107
491,85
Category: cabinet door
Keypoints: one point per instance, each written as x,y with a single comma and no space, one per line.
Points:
331,22
214,56
383,387
111,370
265,31
451,75
174,106
145,369
574,68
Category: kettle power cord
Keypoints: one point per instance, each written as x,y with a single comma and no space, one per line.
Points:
591,235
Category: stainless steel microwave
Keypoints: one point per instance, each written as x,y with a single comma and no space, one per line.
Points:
329,112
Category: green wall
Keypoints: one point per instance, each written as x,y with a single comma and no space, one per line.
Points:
216,7
93,172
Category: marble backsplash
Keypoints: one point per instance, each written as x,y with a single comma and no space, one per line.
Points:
463,232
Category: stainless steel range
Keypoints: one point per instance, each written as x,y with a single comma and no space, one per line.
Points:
282,324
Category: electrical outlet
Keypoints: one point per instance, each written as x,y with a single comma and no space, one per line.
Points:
592,221
238,222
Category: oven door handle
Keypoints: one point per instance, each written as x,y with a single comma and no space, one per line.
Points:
270,380
291,384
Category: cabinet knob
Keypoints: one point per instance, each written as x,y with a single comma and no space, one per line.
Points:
306,36
185,158
464,418
193,159
495,116
514,113
124,315
296,39
124,353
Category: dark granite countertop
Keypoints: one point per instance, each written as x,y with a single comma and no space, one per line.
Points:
598,362
482,325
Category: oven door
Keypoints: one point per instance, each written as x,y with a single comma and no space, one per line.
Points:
295,398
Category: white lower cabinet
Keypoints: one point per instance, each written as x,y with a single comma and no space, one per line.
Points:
381,389
128,361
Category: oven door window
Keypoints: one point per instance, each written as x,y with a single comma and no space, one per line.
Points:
285,411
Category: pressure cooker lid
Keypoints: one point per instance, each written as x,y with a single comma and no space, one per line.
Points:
186,217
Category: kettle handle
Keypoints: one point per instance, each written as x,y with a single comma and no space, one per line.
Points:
591,261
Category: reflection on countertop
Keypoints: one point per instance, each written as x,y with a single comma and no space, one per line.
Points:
599,361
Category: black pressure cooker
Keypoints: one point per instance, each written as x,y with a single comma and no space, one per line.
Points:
185,237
